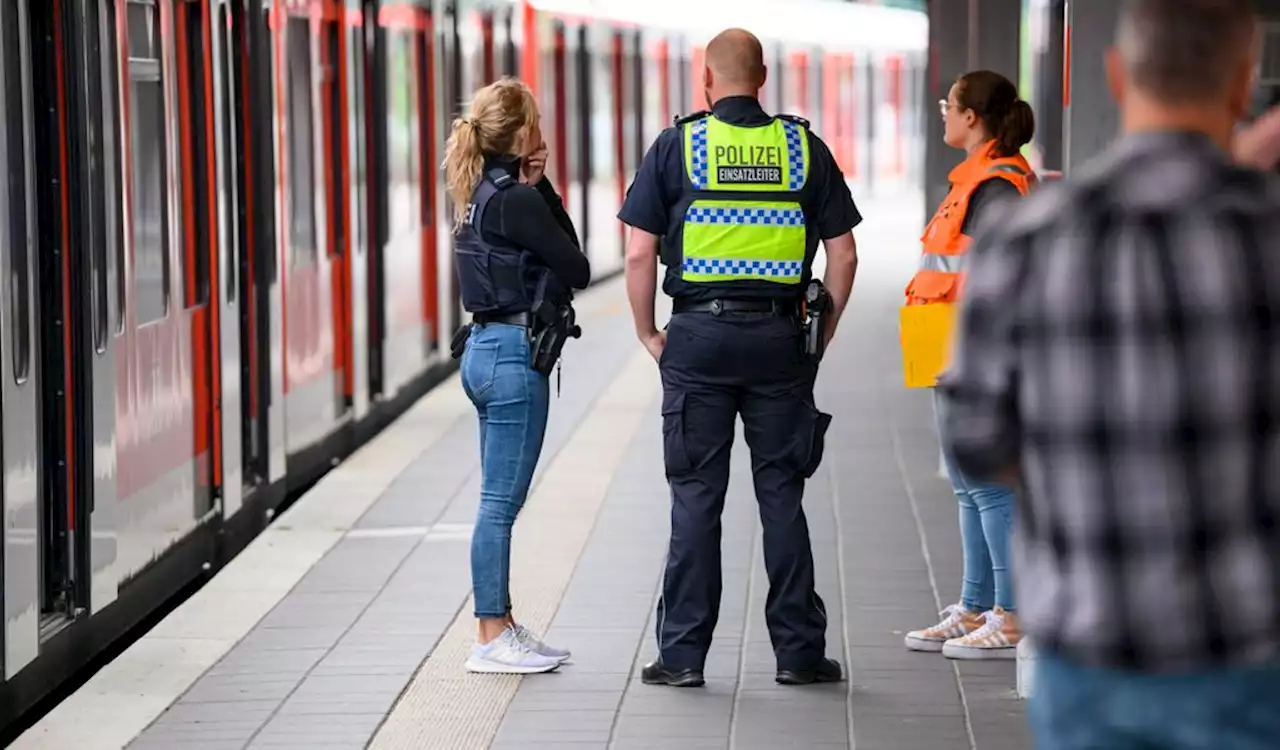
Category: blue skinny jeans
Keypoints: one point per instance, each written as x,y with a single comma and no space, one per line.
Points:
511,401
986,522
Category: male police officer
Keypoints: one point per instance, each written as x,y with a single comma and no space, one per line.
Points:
740,200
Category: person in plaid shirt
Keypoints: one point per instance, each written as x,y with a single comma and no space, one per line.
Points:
1118,356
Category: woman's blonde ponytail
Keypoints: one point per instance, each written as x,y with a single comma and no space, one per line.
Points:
463,161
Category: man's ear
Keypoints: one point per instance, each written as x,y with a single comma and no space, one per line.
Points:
1115,74
707,79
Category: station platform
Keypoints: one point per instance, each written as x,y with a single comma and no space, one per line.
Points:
346,623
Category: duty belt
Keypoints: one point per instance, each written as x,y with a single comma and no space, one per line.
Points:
718,306
515,319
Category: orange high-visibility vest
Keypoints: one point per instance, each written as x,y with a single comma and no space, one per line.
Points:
940,276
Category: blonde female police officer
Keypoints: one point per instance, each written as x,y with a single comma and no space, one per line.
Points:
740,199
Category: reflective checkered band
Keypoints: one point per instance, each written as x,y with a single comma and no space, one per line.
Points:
781,217
781,269
795,154
698,136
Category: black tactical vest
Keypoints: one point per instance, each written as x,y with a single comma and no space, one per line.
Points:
494,277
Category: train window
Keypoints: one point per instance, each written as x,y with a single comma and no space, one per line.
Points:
360,167
301,148
15,234
147,147
402,133
192,95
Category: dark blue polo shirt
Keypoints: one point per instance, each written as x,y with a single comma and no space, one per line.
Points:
654,205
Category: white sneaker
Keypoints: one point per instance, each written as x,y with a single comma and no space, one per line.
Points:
507,655
527,637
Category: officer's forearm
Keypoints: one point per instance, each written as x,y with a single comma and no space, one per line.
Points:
842,266
642,284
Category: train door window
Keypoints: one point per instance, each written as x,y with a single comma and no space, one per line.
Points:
14,139
227,134
148,143
356,121
112,278
301,155
402,132
194,107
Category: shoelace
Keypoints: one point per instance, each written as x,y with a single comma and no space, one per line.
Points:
527,637
516,644
992,622
953,611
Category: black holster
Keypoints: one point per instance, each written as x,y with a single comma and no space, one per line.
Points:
551,325
459,343
817,304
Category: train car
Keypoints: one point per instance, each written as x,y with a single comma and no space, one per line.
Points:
226,246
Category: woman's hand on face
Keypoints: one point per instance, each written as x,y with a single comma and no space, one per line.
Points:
534,166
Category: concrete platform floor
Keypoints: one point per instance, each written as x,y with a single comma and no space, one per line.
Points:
346,624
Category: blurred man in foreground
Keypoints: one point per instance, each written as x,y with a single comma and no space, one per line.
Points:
1119,352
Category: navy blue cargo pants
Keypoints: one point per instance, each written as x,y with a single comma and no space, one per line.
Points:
714,368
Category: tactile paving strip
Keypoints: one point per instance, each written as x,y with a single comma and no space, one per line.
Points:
447,707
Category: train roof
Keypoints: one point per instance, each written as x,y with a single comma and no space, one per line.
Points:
818,23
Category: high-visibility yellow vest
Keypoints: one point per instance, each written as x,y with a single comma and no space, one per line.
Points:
743,219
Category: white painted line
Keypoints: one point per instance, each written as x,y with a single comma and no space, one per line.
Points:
390,532
450,532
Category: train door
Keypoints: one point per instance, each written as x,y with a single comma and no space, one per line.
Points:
622,130
398,293
256,270
436,335
312,381
336,182
450,103
559,131
19,360
583,102
224,48
602,234
164,371
354,51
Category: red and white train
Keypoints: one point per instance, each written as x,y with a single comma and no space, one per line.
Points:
225,247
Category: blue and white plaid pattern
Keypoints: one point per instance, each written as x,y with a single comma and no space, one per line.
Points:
780,269
698,136
795,154
784,217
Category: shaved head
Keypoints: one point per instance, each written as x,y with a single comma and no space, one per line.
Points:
735,59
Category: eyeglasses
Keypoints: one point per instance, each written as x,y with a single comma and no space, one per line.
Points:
944,106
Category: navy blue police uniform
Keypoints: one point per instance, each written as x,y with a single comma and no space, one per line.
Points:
735,347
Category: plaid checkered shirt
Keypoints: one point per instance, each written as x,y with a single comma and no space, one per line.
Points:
1119,344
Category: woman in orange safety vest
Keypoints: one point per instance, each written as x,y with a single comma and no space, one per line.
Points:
984,116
